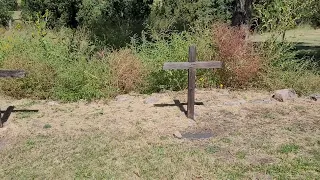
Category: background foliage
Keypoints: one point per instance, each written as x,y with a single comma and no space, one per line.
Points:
5,7
91,49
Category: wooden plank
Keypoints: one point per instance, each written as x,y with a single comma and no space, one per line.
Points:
191,82
196,65
12,73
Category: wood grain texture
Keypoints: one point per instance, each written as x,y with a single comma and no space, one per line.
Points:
12,73
191,82
196,65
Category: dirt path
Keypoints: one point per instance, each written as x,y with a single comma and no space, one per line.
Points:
241,122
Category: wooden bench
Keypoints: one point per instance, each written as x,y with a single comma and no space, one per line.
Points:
4,115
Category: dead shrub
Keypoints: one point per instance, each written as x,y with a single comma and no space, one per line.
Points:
37,84
127,70
241,62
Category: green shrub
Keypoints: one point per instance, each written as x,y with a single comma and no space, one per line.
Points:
5,15
62,13
84,80
11,5
77,75
315,15
114,22
180,15
110,22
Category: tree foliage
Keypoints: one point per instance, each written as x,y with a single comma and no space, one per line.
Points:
5,7
62,12
281,15
114,21
170,15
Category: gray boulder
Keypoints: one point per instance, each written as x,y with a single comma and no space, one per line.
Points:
284,95
315,97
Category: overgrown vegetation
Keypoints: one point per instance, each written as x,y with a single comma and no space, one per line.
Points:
90,50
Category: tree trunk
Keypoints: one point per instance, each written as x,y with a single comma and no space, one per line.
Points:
242,12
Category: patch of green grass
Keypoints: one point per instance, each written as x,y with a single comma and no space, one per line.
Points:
268,115
289,148
47,126
226,140
212,149
25,115
241,154
298,168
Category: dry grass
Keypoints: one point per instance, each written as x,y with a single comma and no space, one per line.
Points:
127,139
127,70
242,64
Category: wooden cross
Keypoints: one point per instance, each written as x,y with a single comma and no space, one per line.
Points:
192,65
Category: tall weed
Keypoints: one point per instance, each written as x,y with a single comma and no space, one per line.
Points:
126,69
241,62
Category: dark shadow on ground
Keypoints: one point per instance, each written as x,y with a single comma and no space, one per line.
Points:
307,50
179,105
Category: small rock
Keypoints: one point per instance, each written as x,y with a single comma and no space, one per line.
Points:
232,103
122,98
261,101
262,176
2,144
53,103
177,134
151,100
315,97
284,95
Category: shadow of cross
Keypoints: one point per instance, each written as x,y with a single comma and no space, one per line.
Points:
192,65
4,115
179,105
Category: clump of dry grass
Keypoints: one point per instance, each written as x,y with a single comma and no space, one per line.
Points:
38,83
127,70
242,64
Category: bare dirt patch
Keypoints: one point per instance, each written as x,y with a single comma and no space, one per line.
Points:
129,137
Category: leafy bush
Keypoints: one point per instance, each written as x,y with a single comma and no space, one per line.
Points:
180,15
241,62
5,15
11,5
62,13
315,13
114,22
110,22
281,15
76,75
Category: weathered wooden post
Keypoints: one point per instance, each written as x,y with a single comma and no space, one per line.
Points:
191,82
192,65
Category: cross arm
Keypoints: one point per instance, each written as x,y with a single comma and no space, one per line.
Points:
188,65
12,73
